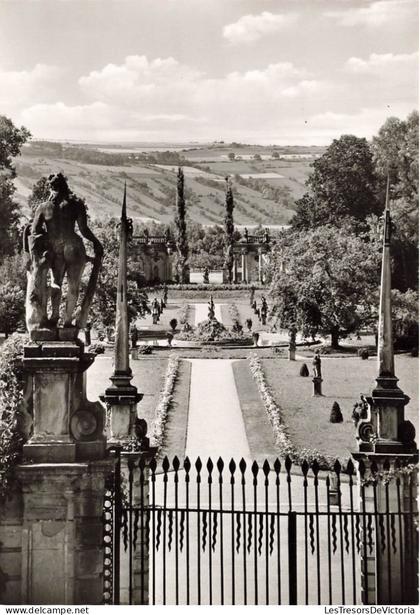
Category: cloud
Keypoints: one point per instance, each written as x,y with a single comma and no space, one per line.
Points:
163,99
250,28
378,64
149,98
136,78
363,123
18,88
384,77
377,14
168,86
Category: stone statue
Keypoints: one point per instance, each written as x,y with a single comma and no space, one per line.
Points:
55,248
211,314
206,275
316,364
155,311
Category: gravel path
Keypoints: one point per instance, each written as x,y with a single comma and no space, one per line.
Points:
215,422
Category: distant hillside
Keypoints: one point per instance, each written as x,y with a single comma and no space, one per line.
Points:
265,186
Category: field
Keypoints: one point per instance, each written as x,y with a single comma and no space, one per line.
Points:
265,189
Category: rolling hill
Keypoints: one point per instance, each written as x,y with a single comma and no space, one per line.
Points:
265,186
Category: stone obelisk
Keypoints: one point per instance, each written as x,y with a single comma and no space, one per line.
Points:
122,397
386,443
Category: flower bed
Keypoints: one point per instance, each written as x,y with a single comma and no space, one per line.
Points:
283,441
164,403
212,331
205,287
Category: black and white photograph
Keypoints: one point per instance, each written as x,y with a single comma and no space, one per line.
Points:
209,319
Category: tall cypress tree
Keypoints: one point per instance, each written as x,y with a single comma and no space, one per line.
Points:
229,230
181,239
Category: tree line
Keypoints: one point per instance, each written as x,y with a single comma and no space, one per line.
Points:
325,268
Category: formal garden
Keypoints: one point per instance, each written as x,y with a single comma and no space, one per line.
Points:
320,291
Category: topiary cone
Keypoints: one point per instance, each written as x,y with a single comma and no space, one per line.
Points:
304,371
336,415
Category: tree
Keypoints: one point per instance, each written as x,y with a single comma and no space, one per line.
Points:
229,231
395,152
181,239
257,157
341,186
11,141
40,193
206,245
275,155
13,270
104,301
329,282
405,318
232,156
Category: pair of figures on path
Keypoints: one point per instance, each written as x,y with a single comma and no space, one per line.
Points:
54,247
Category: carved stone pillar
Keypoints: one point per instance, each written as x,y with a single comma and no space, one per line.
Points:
66,426
244,267
62,532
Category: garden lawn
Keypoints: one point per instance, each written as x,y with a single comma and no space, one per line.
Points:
148,377
307,417
258,428
176,427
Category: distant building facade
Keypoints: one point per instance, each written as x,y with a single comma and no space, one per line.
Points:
155,257
251,255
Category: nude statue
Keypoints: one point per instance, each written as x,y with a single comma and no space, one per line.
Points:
55,247
316,363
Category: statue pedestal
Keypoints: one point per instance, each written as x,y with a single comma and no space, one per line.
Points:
317,387
389,566
62,532
66,426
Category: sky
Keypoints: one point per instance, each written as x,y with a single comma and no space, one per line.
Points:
257,71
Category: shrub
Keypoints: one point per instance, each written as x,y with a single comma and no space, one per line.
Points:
11,397
363,353
336,415
304,371
145,349
414,352
173,323
96,349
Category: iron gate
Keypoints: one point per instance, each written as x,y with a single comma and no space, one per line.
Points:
244,533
